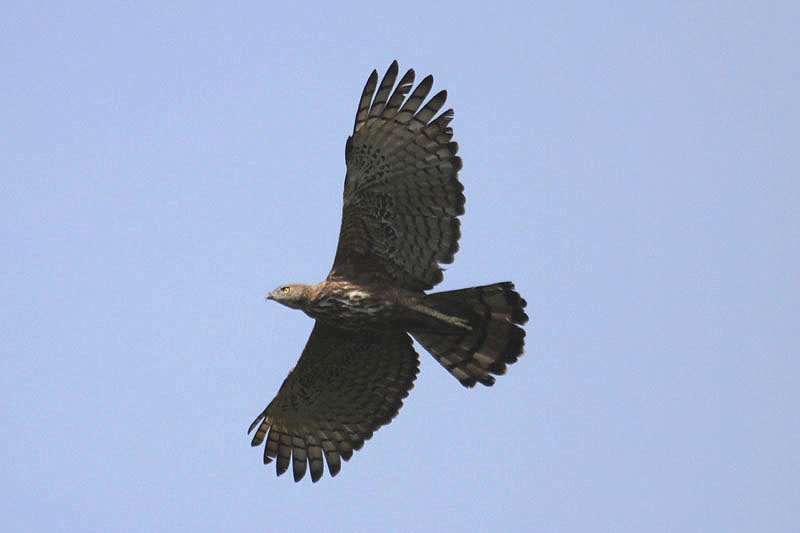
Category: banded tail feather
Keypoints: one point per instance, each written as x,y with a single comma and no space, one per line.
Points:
484,338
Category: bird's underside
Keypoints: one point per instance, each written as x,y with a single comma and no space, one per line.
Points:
401,203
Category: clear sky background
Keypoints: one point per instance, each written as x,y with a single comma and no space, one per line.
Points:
634,169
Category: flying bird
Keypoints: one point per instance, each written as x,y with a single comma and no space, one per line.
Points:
402,200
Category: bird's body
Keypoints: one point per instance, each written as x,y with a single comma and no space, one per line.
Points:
358,305
401,204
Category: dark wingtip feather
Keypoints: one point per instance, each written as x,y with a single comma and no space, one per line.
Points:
392,71
518,316
515,345
334,465
517,303
487,380
254,424
457,164
468,382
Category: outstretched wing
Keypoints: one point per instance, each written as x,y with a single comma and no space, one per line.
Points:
345,386
402,196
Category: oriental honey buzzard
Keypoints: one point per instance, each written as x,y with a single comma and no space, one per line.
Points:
402,200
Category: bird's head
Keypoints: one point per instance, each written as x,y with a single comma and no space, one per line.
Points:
294,295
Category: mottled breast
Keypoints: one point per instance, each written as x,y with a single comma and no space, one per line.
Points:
349,305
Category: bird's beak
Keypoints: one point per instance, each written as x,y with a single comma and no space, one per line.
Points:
269,297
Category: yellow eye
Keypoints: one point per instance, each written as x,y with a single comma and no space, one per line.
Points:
285,290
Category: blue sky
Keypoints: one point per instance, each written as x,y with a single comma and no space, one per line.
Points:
632,168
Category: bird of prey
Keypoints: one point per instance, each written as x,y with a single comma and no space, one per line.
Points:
402,200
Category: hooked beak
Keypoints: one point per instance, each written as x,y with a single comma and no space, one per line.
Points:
269,297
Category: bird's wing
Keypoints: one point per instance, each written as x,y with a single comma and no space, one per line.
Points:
402,196
345,386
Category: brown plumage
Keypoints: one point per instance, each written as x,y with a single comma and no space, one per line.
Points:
402,199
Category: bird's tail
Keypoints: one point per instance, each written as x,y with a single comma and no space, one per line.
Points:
477,332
